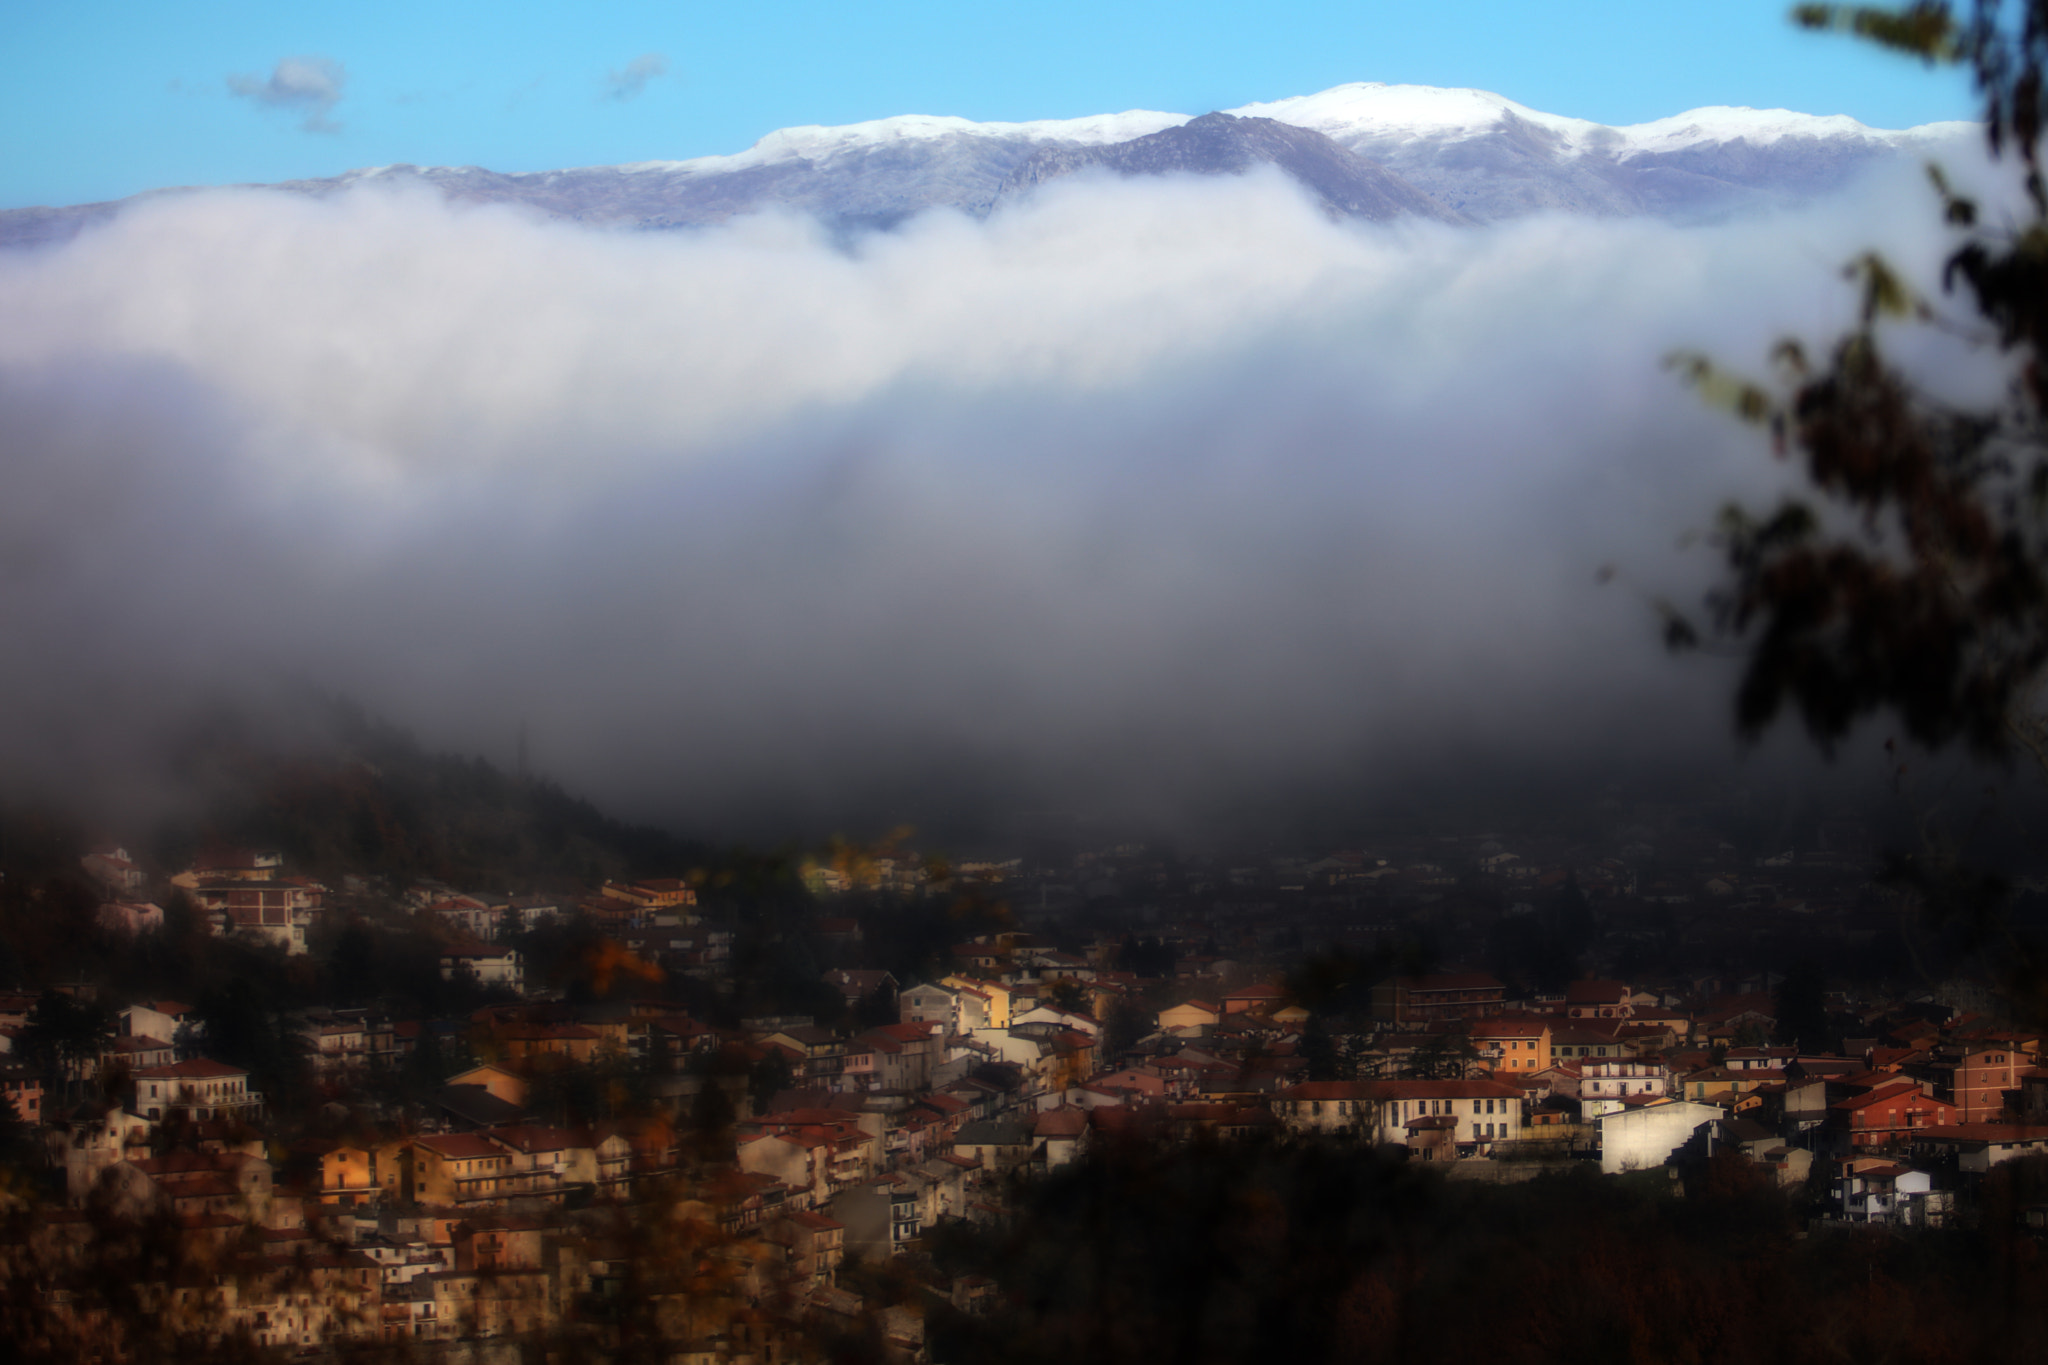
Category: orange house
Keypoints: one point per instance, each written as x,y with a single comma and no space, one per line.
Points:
1524,1044
345,1175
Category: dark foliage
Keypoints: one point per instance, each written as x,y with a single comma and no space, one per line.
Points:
1314,1253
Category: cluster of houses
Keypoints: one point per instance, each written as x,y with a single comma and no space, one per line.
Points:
783,1146
1638,1078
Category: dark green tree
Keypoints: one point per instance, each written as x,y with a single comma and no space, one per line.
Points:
711,1120
353,969
1802,1010
876,1007
243,1026
64,1039
1127,1023
769,1078
1319,1051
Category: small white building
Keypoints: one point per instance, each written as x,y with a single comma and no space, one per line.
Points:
485,964
1873,1191
1644,1136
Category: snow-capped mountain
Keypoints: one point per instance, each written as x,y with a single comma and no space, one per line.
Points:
1489,157
1451,154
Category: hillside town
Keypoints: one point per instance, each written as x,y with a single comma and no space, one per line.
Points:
747,1124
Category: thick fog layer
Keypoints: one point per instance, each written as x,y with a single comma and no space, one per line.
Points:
1135,499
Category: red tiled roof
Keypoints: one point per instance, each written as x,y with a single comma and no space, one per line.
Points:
197,1069
1454,981
1440,1090
1329,1090
531,1137
906,1033
459,1146
1066,1122
1890,1094
1508,1028
816,1222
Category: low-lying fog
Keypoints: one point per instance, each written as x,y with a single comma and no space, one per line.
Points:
1140,499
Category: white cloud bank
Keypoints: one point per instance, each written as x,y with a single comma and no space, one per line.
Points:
1137,497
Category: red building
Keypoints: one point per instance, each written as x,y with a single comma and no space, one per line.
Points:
1890,1114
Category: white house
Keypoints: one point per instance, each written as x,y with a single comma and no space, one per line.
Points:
929,1004
1610,1084
200,1088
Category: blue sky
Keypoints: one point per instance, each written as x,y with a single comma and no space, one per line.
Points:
100,98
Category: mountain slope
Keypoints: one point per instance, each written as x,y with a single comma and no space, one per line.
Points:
1346,184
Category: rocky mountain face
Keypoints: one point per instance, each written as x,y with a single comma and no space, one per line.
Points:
1345,183
1364,151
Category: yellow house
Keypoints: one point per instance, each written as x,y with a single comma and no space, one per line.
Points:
452,1168
1194,1014
998,997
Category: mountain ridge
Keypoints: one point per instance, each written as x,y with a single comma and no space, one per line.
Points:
1476,155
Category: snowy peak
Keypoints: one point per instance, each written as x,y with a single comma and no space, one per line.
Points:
1368,109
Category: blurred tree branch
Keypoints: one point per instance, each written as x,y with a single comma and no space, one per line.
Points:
1910,577
1913,577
